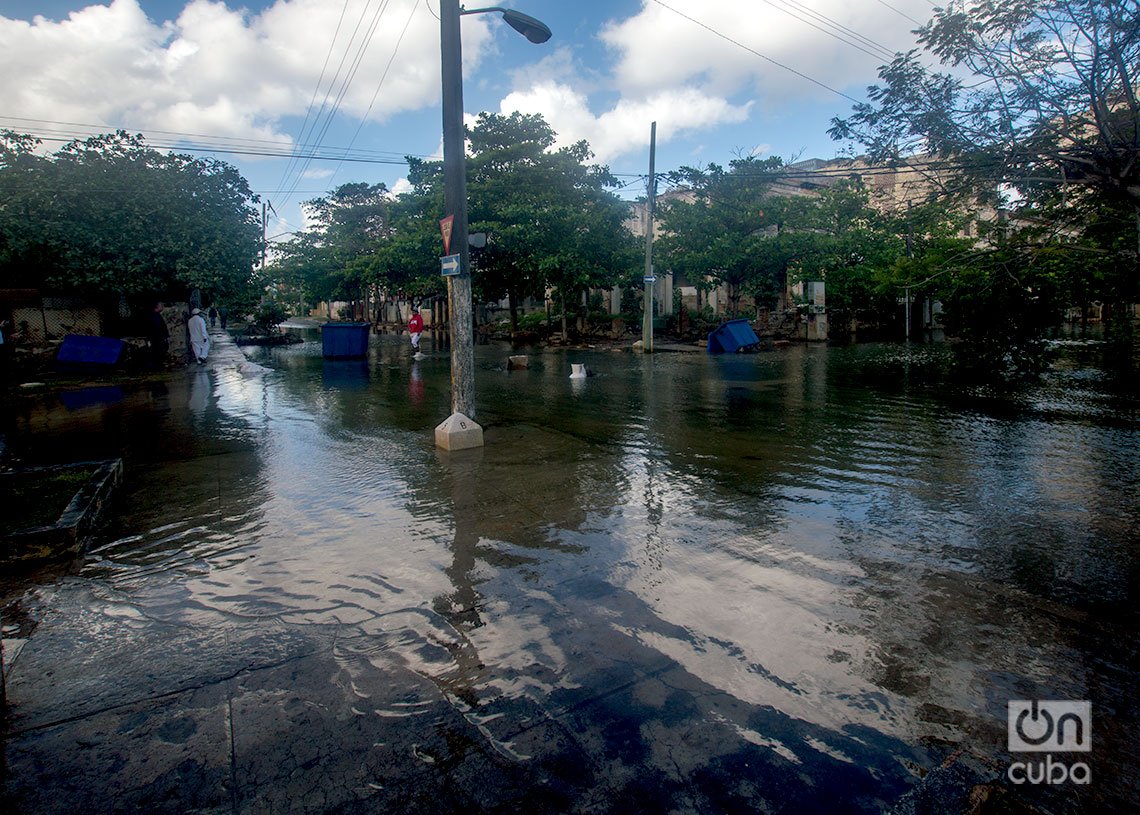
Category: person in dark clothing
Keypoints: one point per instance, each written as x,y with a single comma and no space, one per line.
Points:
222,313
213,317
158,335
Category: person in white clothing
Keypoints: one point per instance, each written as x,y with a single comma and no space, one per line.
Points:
199,336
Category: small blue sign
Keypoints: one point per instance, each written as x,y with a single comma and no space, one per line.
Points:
650,279
449,265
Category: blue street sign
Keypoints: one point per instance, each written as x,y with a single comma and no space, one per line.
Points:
449,265
650,279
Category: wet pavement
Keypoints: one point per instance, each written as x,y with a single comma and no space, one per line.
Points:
798,581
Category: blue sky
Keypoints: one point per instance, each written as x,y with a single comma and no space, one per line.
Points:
720,77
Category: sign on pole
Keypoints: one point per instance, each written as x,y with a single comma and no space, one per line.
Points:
449,265
445,230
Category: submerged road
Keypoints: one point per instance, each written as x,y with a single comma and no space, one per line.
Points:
809,580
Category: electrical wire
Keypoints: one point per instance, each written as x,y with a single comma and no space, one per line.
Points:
899,12
753,51
345,83
57,131
317,87
380,84
842,33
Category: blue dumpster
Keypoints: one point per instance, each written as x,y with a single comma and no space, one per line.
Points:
81,351
344,340
730,337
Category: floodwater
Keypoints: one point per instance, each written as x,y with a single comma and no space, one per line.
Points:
794,581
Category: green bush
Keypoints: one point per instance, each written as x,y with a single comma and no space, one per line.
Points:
267,318
534,321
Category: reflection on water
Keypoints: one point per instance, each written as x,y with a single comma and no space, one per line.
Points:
809,562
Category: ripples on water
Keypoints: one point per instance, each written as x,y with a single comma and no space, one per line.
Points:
837,562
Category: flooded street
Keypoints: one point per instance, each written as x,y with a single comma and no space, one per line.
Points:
793,581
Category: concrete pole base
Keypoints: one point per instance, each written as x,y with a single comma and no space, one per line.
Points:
457,432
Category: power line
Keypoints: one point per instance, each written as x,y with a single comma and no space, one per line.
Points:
898,12
312,155
880,50
738,44
74,131
317,87
380,84
347,81
273,149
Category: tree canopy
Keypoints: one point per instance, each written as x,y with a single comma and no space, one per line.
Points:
336,256
1040,95
744,227
1035,111
110,215
549,218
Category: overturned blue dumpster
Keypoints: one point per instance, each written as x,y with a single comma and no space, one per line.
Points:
344,340
732,336
80,351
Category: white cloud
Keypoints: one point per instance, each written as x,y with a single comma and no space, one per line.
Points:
671,70
625,127
229,72
219,71
659,48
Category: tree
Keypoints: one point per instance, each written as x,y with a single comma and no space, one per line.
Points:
110,216
549,217
337,256
719,234
1049,105
1039,97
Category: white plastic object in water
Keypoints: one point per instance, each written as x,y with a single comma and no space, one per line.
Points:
577,371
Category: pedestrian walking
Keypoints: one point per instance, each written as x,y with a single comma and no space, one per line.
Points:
199,336
222,314
158,336
213,316
415,328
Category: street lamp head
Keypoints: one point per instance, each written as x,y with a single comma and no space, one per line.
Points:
534,30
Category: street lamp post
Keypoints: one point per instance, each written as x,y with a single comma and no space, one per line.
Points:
460,430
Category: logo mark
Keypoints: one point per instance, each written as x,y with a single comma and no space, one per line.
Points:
1049,726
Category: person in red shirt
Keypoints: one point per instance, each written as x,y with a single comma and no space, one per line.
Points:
415,328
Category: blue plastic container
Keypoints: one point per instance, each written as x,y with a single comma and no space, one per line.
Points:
730,337
344,340
81,350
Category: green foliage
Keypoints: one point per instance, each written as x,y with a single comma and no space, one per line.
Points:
268,318
548,215
549,218
1051,110
534,321
1000,310
109,215
340,253
737,232
720,235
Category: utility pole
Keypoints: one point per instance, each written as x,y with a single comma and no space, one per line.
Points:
455,205
264,226
459,431
650,279
909,254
